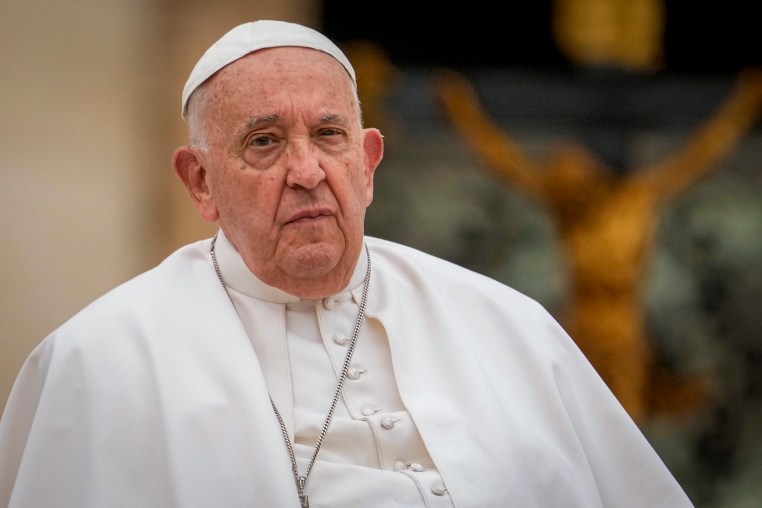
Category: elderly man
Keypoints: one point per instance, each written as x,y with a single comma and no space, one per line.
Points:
291,360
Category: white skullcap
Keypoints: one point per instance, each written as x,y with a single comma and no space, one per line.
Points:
253,36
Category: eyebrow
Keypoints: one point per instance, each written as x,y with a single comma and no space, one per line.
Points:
261,120
334,118
258,122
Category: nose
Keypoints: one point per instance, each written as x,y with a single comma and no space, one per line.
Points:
303,166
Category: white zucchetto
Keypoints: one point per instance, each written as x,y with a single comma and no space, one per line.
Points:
253,36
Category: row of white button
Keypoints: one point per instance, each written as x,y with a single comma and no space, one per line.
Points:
386,422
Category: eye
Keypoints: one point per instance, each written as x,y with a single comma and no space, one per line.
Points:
330,132
261,141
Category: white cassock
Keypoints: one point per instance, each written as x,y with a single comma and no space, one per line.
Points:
462,392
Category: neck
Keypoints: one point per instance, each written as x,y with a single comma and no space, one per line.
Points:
241,278
311,270
320,286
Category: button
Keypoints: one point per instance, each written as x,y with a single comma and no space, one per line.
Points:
355,373
400,465
369,410
388,422
438,489
341,339
332,301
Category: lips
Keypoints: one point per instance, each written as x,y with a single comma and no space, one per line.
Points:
310,215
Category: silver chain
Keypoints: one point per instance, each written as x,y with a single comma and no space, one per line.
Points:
301,480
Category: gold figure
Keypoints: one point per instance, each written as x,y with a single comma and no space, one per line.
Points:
606,224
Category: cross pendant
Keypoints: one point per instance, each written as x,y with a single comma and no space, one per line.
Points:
304,499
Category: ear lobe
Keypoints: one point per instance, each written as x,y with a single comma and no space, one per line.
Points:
189,169
373,147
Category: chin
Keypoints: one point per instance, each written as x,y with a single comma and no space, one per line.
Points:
312,260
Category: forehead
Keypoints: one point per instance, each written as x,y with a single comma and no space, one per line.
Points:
273,76
279,58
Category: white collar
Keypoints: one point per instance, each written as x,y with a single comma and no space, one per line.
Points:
238,277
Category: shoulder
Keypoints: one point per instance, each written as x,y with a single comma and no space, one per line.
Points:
419,271
151,286
498,323
153,295
408,261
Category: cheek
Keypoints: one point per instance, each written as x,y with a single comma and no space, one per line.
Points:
354,197
363,187
239,196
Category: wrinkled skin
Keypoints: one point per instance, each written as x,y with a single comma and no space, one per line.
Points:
287,169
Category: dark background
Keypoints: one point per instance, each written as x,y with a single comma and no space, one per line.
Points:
700,37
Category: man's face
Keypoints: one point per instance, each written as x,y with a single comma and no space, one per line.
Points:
289,169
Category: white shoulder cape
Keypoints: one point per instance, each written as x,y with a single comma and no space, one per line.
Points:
152,397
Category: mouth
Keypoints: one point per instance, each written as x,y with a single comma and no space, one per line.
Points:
309,216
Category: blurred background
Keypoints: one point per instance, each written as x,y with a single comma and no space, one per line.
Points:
602,156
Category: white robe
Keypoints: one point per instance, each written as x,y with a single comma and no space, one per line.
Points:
152,396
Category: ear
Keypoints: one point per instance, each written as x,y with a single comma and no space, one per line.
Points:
373,147
190,170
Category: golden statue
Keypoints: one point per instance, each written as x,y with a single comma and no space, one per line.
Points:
606,224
